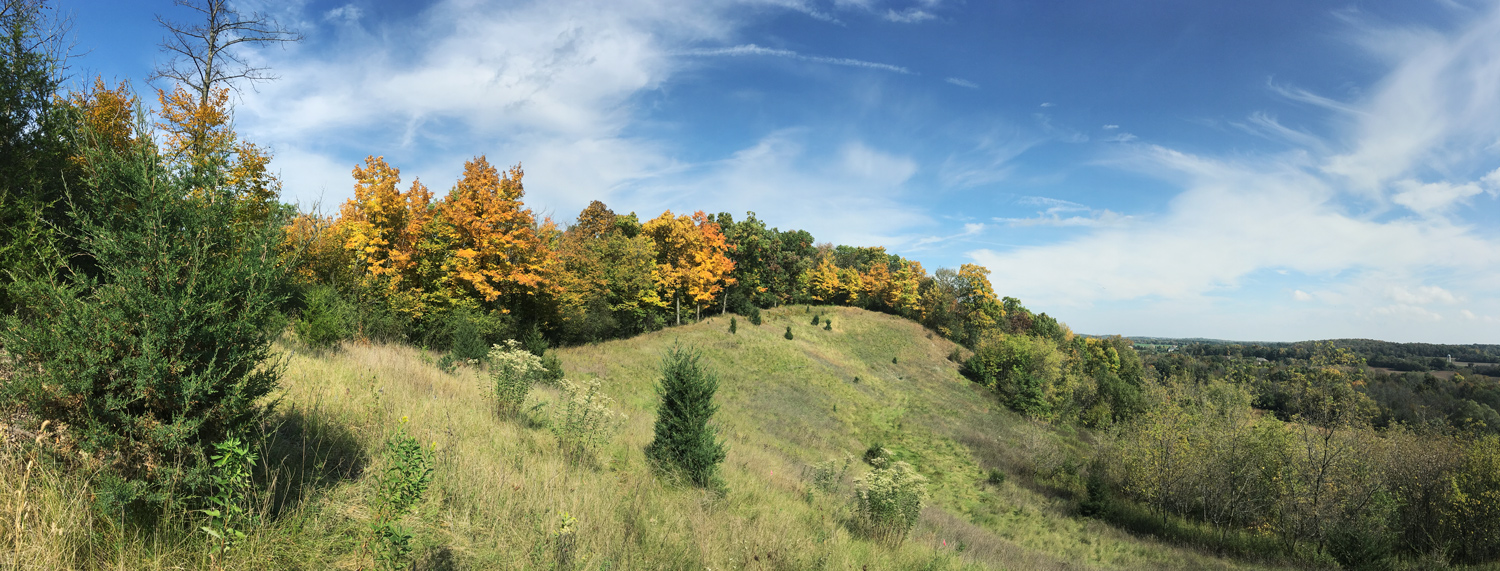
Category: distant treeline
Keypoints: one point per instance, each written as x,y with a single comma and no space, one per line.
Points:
1416,357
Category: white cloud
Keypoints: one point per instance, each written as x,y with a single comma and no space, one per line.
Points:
1469,315
1404,312
1434,197
962,82
1320,209
1422,295
1434,109
1047,104
347,14
908,16
752,49
1110,127
1063,213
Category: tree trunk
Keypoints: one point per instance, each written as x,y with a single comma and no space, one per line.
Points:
678,299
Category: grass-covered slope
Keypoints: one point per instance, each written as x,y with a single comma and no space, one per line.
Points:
502,487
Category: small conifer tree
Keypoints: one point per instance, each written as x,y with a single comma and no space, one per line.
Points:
755,316
828,325
685,440
815,320
788,332
732,326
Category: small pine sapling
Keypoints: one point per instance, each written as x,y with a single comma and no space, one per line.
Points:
815,320
685,440
755,316
828,325
732,326
788,332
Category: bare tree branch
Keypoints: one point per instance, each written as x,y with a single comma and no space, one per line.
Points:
204,57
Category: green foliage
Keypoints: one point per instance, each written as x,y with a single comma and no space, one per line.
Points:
995,477
733,325
815,320
1026,371
876,455
230,484
585,419
552,369
326,318
564,540
165,346
826,476
33,152
755,316
684,438
407,474
828,325
889,499
1473,501
894,361
788,333
512,371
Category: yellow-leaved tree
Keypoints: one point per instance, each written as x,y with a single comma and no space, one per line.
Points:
691,258
200,140
381,226
498,252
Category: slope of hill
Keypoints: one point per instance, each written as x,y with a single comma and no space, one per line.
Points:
503,494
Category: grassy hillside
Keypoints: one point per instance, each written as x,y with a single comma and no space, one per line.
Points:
502,488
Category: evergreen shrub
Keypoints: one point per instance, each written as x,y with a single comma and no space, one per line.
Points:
161,348
685,441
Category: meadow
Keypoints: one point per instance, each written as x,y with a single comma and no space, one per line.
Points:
505,497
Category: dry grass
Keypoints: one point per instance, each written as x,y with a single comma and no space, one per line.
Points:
502,486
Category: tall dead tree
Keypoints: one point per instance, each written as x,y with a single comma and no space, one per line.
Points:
204,53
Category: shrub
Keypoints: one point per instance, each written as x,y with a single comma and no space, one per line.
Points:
584,419
888,500
826,475
876,454
815,320
755,316
788,334
512,370
995,477
154,341
552,369
732,326
326,318
828,325
407,474
685,441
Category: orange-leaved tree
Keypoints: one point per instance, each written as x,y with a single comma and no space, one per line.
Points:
691,258
498,252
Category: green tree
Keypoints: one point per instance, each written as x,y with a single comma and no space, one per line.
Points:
685,440
167,350
33,150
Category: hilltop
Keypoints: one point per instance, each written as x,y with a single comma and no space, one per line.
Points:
501,487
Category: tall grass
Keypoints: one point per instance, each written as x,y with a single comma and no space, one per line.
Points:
505,496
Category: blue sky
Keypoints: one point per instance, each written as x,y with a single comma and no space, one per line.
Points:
1277,170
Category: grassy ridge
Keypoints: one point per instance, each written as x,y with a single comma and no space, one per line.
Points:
502,488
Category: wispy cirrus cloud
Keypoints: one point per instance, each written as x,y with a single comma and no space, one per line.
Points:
1063,213
754,50
962,82
1396,270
